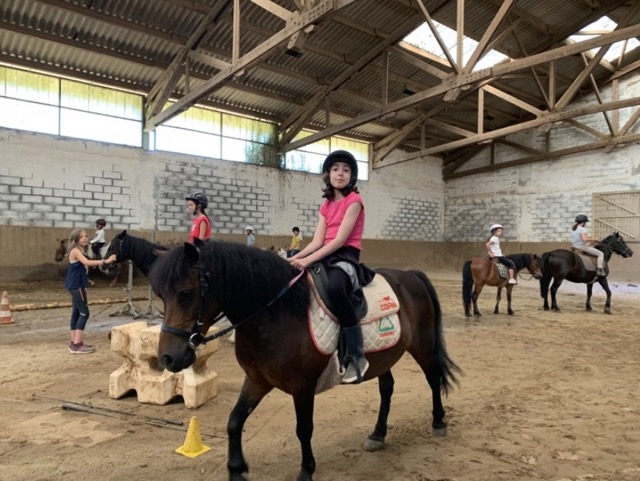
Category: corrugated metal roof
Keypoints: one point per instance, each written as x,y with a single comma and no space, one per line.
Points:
130,43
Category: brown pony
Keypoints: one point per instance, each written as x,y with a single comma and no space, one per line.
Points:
273,346
481,271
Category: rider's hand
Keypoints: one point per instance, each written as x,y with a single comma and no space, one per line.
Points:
301,264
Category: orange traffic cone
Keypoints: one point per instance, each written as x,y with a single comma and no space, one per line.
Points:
5,310
193,446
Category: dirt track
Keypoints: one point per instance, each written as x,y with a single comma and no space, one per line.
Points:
551,396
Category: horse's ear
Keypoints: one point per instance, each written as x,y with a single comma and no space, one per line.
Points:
198,242
122,234
191,252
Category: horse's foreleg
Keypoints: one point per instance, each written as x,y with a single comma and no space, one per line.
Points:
605,285
589,293
250,396
509,290
303,402
375,441
496,310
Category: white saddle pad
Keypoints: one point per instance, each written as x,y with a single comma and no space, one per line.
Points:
380,326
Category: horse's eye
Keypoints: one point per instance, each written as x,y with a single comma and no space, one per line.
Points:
185,295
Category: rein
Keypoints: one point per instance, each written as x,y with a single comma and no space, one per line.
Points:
195,336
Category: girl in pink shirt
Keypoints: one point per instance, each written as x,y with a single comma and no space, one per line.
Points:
337,243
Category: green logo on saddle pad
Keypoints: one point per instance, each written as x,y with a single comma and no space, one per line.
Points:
385,325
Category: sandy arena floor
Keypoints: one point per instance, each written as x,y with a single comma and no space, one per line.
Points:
545,396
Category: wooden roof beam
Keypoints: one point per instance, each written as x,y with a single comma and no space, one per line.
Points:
494,134
164,86
298,22
292,125
469,79
544,156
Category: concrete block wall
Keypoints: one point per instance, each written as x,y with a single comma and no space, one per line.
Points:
537,202
49,181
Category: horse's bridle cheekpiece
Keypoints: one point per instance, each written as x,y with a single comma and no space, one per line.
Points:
196,337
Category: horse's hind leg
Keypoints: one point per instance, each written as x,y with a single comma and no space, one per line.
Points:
554,290
375,441
250,396
434,376
477,289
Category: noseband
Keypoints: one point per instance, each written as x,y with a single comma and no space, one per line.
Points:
196,337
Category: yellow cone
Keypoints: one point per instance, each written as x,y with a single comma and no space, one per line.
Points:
193,446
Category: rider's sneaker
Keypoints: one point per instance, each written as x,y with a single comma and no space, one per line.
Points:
80,349
512,282
600,272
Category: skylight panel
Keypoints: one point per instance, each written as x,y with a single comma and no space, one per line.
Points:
423,38
602,26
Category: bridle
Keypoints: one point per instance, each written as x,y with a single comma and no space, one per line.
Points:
195,336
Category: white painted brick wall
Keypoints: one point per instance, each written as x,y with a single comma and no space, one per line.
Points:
60,182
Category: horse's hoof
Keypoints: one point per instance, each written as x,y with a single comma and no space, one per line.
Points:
607,310
439,432
546,308
373,445
589,308
237,477
496,311
303,476
511,313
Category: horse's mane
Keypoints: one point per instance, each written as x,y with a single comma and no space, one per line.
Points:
243,278
520,260
140,251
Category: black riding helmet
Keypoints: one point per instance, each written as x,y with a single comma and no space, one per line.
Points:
581,218
198,198
101,222
347,158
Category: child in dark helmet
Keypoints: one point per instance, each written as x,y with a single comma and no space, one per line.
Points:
337,243
580,241
201,226
98,240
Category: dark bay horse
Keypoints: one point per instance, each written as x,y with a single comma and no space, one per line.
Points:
141,252
562,264
481,271
273,344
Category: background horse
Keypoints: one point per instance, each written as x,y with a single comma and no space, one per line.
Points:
61,251
141,252
562,264
480,271
274,346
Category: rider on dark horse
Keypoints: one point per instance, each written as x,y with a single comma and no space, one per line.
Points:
581,243
337,243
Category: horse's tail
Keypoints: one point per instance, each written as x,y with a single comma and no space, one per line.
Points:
545,280
467,286
444,366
